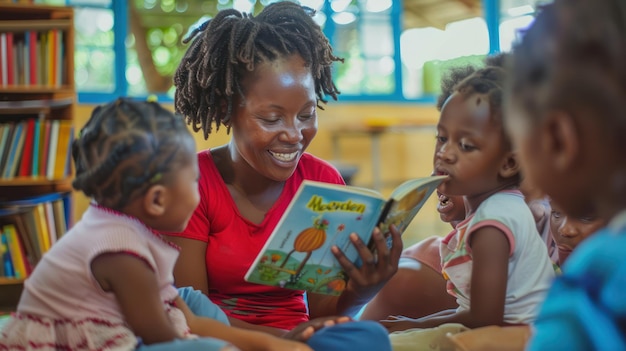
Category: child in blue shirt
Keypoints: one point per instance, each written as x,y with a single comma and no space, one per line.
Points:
566,100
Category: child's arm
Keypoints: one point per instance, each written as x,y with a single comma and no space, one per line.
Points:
490,256
136,289
246,340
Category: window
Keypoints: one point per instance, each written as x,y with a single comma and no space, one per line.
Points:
515,16
394,50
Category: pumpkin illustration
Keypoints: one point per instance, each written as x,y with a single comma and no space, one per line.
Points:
309,240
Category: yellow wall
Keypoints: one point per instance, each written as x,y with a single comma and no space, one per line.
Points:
406,153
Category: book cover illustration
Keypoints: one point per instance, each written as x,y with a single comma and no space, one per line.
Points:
297,255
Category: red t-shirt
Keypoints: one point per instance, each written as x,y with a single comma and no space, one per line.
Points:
234,242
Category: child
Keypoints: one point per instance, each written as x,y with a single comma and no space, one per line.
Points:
418,289
568,231
107,284
494,261
567,99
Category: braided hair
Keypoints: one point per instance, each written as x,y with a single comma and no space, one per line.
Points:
232,44
125,148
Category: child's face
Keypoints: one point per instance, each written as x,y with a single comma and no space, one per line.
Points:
183,196
570,231
277,119
470,147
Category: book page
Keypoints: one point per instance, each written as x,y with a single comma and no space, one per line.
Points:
407,200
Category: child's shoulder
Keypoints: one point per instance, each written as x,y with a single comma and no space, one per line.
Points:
504,201
506,207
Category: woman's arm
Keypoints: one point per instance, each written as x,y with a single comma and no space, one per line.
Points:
190,269
136,289
363,282
490,256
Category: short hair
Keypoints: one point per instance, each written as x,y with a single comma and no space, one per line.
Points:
452,76
125,147
232,44
572,58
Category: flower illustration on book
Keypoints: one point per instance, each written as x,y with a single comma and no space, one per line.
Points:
308,240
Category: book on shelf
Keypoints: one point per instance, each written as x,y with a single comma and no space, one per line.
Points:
17,141
15,246
6,130
297,255
38,222
27,151
32,57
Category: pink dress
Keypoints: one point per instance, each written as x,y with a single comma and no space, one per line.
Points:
63,307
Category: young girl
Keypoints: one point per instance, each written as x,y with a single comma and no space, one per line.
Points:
108,283
495,263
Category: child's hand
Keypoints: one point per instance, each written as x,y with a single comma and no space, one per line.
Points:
398,323
305,330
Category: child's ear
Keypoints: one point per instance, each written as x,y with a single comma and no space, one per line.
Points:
510,166
154,200
561,140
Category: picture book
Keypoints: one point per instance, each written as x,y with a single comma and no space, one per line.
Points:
297,255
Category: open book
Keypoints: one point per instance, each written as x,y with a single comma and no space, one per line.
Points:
297,254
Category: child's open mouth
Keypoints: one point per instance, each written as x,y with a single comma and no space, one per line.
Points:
444,205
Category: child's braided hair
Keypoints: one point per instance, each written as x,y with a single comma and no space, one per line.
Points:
126,147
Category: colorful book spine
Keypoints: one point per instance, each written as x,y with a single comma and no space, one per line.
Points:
3,60
27,151
13,151
5,253
16,250
34,58
52,148
10,59
36,147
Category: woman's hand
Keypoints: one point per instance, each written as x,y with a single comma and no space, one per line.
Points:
378,266
305,330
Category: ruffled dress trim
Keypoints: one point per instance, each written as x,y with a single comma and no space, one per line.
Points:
30,332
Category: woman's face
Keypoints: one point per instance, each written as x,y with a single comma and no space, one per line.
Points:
276,120
569,232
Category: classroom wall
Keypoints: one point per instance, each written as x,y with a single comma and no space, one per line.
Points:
405,153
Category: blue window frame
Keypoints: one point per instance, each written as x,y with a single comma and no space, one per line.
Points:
374,72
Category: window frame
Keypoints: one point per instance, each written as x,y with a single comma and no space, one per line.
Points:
491,14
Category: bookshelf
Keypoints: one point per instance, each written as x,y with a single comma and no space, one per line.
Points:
37,112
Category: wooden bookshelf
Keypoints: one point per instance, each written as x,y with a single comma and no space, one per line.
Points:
37,93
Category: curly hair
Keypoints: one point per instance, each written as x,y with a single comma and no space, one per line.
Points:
126,147
572,58
232,44
452,77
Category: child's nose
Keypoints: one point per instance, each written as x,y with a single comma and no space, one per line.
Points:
445,153
568,229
